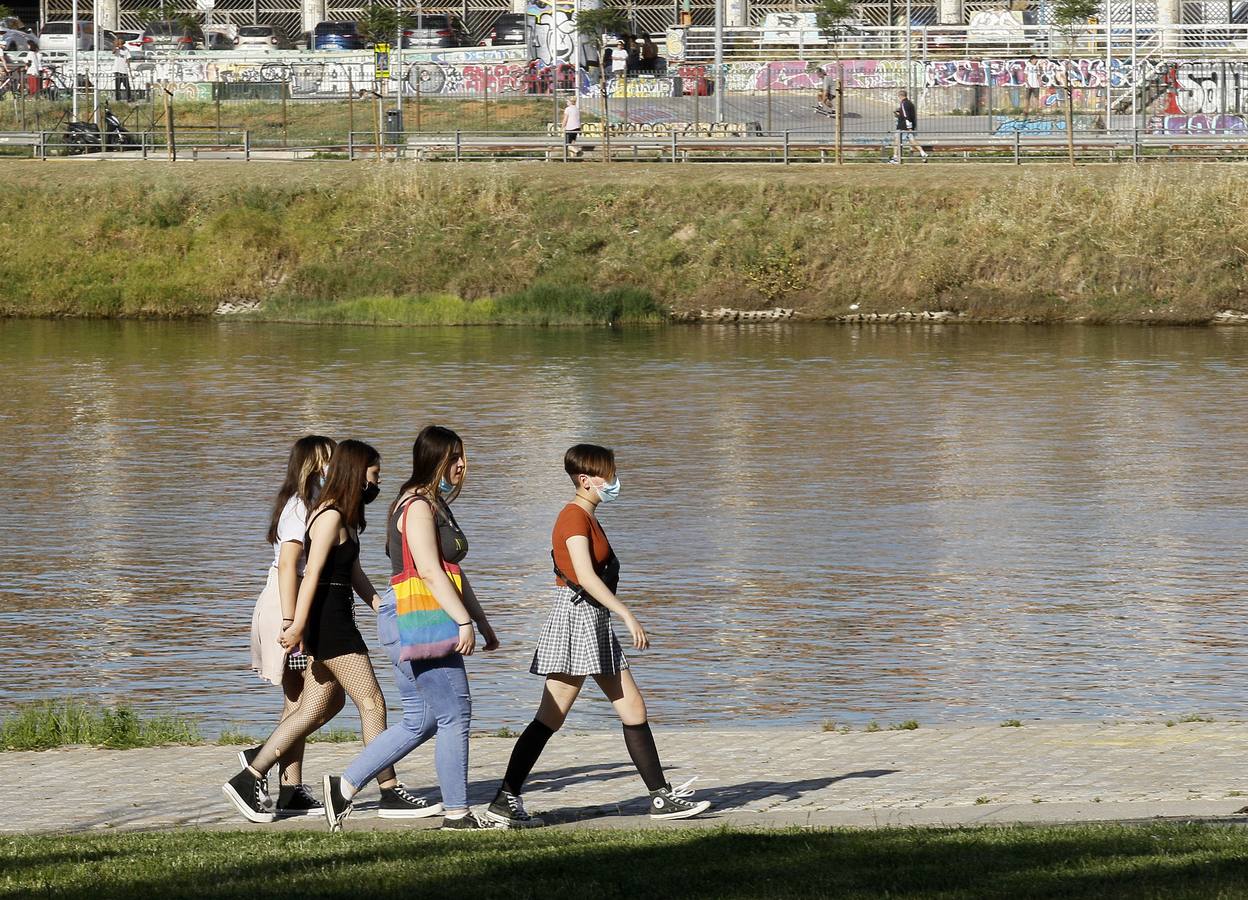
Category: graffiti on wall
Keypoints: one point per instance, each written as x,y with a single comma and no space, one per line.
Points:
667,129
1226,123
1199,98
554,32
1026,73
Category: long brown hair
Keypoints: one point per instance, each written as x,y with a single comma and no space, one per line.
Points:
432,452
308,456
344,483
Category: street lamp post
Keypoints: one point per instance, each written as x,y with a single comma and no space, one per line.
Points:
73,64
719,60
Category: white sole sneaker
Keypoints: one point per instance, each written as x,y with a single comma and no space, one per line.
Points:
251,814
296,813
435,810
696,810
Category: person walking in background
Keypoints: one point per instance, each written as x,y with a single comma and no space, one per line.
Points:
121,71
34,73
649,54
572,126
275,608
578,641
425,624
907,123
324,628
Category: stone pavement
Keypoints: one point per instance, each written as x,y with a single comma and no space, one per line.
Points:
758,776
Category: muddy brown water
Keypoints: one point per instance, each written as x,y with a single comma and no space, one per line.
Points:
940,523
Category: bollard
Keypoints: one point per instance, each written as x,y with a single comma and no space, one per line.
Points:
786,148
1017,159
246,145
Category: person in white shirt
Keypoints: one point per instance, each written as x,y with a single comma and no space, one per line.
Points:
34,73
121,72
572,125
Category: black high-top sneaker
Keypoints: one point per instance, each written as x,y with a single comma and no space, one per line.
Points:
674,803
248,793
399,803
473,821
337,807
297,800
508,810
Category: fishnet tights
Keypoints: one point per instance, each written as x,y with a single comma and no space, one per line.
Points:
291,762
323,681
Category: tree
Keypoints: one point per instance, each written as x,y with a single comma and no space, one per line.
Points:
831,16
1072,17
600,24
379,24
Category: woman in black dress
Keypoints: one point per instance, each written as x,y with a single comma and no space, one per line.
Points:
324,626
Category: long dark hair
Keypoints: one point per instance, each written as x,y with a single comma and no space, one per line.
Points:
308,457
432,452
344,483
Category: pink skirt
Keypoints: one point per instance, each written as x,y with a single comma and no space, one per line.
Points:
268,657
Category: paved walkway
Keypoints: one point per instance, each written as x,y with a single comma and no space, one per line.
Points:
758,776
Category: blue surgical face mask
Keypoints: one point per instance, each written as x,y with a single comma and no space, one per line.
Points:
609,491
445,488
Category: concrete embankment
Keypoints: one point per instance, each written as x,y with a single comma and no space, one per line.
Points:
987,774
548,244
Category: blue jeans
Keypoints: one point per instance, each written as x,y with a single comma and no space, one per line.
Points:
436,700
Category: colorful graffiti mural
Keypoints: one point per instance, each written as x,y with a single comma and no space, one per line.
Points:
1039,73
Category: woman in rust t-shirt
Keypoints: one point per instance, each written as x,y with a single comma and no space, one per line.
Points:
578,640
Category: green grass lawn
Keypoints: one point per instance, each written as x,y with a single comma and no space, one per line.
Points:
1167,861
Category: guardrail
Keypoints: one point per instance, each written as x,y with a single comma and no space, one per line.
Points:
926,42
787,147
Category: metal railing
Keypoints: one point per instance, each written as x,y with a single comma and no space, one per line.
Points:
675,146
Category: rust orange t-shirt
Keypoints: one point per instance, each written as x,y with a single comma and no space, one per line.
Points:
573,521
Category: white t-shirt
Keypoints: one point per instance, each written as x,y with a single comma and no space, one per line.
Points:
571,118
121,62
34,64
619,60
292,525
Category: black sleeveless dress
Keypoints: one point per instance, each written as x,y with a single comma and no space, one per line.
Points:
331,629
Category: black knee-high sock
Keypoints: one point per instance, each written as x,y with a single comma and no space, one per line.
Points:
640,743
524,756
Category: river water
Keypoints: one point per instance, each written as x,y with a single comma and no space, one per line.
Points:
941,522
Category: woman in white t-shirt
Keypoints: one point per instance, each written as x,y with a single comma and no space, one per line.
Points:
275,608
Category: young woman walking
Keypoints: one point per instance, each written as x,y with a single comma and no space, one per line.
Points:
275,608
578,640
425,624
324,628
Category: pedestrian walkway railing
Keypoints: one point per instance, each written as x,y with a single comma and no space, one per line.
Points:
786,147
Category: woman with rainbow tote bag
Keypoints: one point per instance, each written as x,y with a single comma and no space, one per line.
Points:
426,625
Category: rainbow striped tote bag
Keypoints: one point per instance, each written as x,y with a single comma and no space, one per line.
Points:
425,630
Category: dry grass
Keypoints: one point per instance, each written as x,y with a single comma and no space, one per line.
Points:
418,243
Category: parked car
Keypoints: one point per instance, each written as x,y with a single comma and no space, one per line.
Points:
337,36
15,36
133,41
263,37
167,35
436,30
58,37
509,30
218,40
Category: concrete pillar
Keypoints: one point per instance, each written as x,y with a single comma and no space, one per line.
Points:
313,13
110,14
1169,13
737,14
949,12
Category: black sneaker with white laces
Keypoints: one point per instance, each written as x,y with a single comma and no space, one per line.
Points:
297,800
337,807
248,793
508,810
399,803
473,821
674,803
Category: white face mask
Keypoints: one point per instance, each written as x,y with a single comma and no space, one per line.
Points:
609,491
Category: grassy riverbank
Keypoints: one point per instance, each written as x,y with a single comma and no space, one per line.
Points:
545,244
1085,861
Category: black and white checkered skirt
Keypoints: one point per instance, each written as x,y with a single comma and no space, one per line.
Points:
577,639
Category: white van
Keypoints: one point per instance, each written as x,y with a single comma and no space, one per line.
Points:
58,37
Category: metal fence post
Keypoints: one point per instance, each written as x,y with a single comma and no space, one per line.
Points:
1017,158
351,146
786,148
1135,146
457,142
672,133
43,145
246,145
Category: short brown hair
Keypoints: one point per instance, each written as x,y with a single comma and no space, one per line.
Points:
589,459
